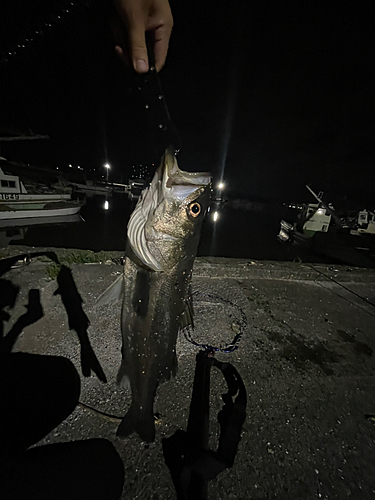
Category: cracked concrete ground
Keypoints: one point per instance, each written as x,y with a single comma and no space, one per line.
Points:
306,359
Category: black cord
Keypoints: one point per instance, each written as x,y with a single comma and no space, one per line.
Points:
345,288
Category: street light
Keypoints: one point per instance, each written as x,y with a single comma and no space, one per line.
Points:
107,166
221,185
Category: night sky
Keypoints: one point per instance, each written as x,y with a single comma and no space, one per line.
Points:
274,94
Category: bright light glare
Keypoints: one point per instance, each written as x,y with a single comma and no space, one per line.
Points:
215,216
107,165
106,205
221,185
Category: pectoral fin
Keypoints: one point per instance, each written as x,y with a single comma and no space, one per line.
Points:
113,293
187,315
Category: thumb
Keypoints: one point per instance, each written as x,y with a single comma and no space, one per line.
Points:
138,49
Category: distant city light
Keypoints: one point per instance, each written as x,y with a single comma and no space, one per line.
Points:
106,205
70,166
215,216
221,185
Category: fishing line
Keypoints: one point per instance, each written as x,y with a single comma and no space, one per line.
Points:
108,416
53,18
161,127
151,57
345,288
215,313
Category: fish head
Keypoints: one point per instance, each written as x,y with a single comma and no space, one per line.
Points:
164,229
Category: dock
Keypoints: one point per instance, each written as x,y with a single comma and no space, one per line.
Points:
306,357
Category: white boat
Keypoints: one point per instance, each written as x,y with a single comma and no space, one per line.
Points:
91,187
364,223
17,201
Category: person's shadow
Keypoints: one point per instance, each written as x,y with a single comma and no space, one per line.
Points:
78,321
37,393
72,300
187,455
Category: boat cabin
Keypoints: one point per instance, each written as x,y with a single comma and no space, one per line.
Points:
366,222
314,218
10,184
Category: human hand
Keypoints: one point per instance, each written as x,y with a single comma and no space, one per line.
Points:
140,16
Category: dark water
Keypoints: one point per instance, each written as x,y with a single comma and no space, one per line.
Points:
97,228
236,233
241,232
244,229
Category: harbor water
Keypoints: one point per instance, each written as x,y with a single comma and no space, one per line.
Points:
241,229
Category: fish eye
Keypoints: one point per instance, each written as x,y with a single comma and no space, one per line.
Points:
194,209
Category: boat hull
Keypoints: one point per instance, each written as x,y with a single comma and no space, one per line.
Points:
69,209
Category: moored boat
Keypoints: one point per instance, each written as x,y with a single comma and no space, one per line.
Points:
29,200
321,229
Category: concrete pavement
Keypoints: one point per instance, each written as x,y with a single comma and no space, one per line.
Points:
306,358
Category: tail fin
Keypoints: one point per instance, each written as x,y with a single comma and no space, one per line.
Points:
141,423
114,293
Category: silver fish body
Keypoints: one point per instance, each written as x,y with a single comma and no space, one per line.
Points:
163,236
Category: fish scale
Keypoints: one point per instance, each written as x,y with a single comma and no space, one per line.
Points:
148,350
163,236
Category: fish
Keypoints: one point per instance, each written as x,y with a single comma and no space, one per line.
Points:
163,234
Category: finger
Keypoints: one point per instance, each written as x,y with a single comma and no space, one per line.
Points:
162,33
138,49
118,50
162,36
123,55
120,39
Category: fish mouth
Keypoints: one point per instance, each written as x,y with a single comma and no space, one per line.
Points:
177,183
171,182
168,183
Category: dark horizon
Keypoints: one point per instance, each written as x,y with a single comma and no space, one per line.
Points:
275,95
